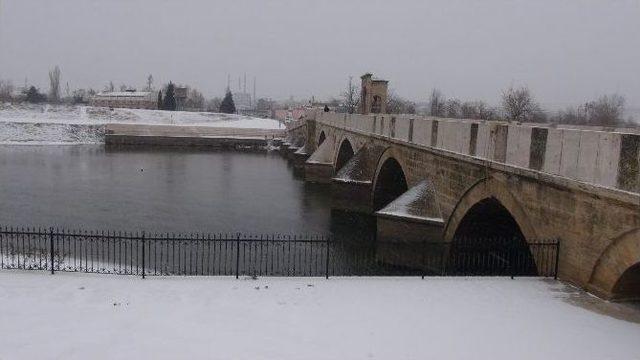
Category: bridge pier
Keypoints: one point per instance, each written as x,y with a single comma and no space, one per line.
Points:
407,225
352,187
318,172
405,241
353,196
298,158
284,147
319,166
290,151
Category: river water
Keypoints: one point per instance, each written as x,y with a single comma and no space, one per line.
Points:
91,187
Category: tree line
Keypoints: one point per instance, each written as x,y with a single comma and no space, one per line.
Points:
194,101
519,105
516,104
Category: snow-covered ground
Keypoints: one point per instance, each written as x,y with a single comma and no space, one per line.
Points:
45,124
80,316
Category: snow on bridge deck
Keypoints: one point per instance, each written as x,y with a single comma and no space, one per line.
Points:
79,316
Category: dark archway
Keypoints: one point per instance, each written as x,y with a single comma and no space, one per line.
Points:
345,153
376,106
322,138
488,241
628,285
390,183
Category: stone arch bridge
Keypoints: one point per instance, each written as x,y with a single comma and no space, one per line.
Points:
443,179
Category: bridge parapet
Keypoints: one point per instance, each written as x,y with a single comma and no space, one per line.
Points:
607,158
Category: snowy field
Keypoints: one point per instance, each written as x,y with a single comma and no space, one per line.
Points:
79,316
45,124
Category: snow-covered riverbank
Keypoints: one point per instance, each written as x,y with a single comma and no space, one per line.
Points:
79,316
45,124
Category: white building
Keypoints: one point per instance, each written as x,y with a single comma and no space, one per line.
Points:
126,99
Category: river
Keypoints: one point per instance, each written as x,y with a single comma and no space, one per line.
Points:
91,187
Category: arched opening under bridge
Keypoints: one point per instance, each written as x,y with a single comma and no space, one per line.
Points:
389,184
489,241
345,153
322,138
627,287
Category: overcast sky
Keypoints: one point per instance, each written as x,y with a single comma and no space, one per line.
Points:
565,51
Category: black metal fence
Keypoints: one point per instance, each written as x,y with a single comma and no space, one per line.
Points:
237,255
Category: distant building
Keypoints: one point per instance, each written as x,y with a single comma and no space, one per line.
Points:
373,95
126,99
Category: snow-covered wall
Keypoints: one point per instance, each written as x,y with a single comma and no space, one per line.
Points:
592,155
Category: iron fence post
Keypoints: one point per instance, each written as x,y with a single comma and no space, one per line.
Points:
143,253
444,256
51,249
326,265
512,258
424,257
238,256
555,270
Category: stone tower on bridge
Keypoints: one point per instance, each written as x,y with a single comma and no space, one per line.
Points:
373,95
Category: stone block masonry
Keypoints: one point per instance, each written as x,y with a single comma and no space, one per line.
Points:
578,185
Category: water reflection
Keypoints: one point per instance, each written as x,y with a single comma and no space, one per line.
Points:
88,186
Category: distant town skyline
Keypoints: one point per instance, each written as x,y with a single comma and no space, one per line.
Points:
566,52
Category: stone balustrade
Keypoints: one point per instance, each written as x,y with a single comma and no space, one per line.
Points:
608,158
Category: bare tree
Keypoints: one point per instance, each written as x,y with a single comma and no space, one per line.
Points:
6,90
607,110
351,97
213,105
110,87
398,105
67,92
264,104
79,96
453,108
518,104
437,103
195,100
477,110
468,110
54,84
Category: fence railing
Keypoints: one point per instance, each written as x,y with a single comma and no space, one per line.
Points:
145,254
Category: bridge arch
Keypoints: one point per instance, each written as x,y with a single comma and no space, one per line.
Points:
616,274
489,225
321,138
489,195
345,153
390,180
